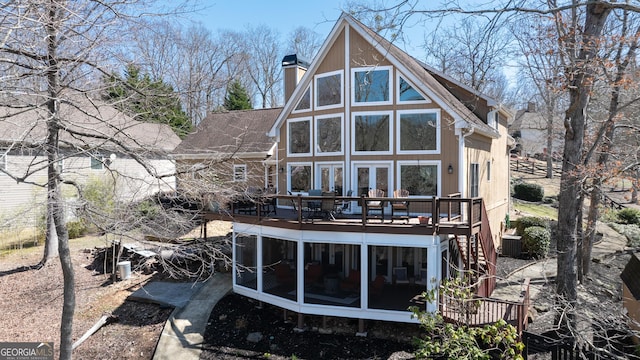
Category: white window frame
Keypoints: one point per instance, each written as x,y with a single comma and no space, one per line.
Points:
353,132
317,181
317,132
474,173
438,165
438,131
243,172
315,92
492,119
295,110
288,176
426,100
371,68
289,121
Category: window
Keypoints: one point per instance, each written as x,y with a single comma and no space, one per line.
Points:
96,162
329,135
305,101
418,131
299,134
492,119
371,85
299,177
489,170
474,181
329,90
408,94
239,172
372,133
420,179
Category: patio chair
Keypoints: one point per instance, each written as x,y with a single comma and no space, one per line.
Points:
400,205
314,206
344,207
375,205
328,205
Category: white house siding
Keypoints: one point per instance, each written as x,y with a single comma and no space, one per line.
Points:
20,201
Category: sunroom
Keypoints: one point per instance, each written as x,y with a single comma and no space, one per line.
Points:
355,275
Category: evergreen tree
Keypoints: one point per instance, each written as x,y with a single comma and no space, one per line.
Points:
148,100
237,97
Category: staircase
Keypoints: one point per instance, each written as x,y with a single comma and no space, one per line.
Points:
479,256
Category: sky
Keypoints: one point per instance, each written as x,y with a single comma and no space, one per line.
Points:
281,15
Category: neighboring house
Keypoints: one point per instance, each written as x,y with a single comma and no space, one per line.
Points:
106,146
233,147
631,291
365,115
529,129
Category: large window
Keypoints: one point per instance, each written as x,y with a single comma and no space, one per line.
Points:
372,133
474,181
329,90
246,260
420,179
299,177
371,85
329,135
279,259
239,172
418,131
305,101
299,135
408,94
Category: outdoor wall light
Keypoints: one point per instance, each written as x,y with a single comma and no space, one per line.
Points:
281,170
450,169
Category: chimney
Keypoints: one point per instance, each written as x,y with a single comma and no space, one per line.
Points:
531,107
294,67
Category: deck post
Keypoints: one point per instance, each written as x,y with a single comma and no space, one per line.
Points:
300,321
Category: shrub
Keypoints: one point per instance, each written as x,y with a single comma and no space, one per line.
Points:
528,192
536,240
529,221
629,216
76,229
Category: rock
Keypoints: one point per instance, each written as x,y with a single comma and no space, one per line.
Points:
254,337
541,308
222,317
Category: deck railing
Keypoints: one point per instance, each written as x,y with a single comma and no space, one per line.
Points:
452,210
482,311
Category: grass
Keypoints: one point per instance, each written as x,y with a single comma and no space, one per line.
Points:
536,210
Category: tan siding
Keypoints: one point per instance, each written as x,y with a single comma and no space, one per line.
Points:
364,54
335,57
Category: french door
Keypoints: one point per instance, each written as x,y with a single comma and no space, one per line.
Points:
367,176
331,177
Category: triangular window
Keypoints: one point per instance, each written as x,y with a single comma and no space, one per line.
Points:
407,93
305,101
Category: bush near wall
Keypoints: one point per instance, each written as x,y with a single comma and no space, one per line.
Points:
529,221
628,216
536,241
528,192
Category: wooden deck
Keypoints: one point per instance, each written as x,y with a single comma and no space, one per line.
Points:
456,216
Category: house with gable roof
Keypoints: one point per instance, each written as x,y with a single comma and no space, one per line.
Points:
98,142
376,133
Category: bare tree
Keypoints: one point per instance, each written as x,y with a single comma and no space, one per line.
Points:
304,42
54,54
264,68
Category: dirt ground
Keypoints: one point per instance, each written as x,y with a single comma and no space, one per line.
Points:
31,303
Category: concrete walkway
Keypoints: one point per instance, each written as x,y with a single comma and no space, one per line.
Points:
183,333
540,271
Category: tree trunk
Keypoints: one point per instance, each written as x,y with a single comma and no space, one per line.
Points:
572,174
51,239
550,148
55,202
